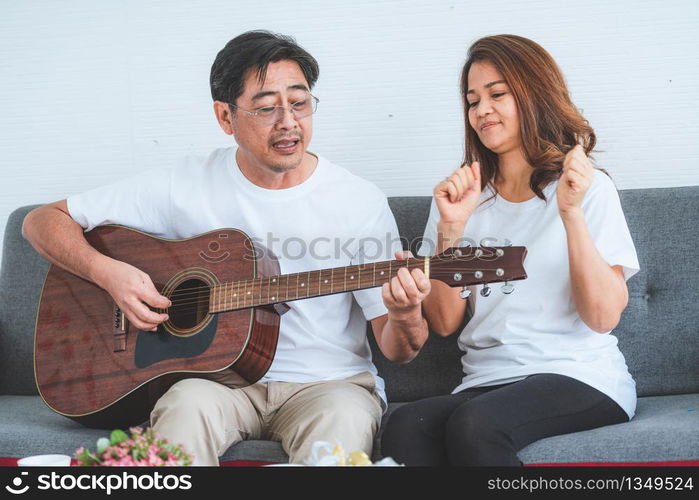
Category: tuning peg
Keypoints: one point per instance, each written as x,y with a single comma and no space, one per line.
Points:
465,293
485,291
507,288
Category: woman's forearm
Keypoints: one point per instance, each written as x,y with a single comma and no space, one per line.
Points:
443,307
599,290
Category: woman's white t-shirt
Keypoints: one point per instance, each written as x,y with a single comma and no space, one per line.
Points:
537,329
332,219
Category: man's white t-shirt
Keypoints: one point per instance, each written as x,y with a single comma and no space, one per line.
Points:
332,219
537,329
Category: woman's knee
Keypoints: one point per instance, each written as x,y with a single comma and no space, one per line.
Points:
476,436
414,423
465,424
404,421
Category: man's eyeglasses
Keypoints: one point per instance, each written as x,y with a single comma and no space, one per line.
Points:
269,115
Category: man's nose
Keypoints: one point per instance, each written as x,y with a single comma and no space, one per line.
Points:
286,119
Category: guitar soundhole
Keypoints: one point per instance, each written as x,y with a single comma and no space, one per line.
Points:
190,304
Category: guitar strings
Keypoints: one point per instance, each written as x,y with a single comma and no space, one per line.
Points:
181,292
192,303
181,295
237,286
190,298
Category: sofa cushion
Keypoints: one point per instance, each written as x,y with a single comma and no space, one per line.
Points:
256,450
29,427
665,428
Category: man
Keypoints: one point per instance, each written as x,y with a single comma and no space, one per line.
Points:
312,214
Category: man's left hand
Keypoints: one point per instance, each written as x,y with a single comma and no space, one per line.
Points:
405,292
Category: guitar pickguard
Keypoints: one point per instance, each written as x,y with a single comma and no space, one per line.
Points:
152,347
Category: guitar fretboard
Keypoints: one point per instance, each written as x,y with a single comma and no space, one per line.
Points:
303,285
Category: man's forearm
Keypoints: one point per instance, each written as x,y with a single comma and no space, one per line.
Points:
403,337
60,240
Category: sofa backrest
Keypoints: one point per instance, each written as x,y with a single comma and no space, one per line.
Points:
659,330
658,333
22,276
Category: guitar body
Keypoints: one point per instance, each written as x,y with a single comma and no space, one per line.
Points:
92,366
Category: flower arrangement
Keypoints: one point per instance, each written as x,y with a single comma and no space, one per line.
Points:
142,448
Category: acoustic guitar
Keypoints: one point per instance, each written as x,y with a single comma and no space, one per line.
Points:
227,297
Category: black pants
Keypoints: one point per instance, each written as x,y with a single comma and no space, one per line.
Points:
489,425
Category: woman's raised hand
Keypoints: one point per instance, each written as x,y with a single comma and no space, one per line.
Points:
575,180
457,196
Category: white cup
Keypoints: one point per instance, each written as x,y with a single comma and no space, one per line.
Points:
44,461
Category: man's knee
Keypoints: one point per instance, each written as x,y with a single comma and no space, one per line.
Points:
343,414
191,396
347,400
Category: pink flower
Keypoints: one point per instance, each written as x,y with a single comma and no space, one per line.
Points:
142,448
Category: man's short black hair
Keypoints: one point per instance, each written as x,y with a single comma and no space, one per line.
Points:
255,50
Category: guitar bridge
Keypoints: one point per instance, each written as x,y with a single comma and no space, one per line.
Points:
120,329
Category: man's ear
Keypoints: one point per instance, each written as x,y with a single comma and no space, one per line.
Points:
224,116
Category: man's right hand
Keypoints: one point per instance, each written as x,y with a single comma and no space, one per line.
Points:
133,291
58,238
457,196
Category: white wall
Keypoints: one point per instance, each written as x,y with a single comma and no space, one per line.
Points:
93,91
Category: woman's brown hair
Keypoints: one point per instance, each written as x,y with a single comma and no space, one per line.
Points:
550,124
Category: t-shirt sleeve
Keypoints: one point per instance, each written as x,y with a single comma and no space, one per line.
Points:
428,244
607,225
140,202
378,244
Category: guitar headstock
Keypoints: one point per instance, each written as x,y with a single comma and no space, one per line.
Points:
461,266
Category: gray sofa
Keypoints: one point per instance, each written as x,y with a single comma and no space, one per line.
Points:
658,334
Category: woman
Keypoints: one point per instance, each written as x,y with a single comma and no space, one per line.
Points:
540,361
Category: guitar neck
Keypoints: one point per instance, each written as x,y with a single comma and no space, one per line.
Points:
286,287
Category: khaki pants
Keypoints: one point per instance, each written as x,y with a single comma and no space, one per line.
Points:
207,417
